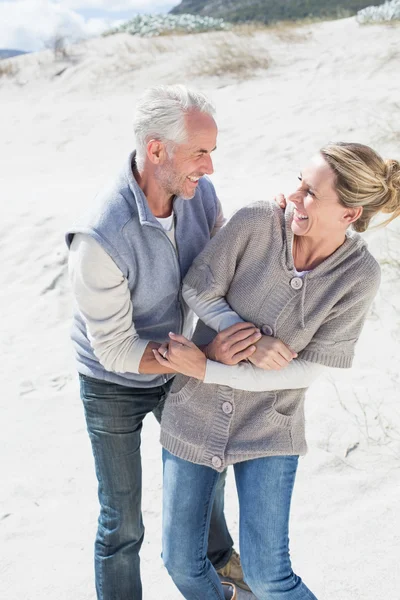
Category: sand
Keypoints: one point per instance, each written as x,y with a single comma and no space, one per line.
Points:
65,131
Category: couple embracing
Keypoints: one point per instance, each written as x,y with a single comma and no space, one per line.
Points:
281,291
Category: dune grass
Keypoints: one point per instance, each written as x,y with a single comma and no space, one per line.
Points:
230,54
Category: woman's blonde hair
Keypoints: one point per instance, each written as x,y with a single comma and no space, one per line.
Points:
364,179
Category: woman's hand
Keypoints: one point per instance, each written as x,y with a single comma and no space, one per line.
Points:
271,353
182,356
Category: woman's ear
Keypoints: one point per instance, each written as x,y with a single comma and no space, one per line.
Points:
352,214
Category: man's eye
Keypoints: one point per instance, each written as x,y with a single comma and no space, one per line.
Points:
300,178
310,192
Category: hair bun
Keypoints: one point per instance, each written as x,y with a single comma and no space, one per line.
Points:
392,177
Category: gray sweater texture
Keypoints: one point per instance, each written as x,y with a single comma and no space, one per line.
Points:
320,316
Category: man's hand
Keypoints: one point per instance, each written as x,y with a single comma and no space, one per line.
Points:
233,344
281,200
148,364
272,354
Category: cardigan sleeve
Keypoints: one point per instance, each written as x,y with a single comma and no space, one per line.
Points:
334,342
213,270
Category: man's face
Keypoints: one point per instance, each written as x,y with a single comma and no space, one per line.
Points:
179,173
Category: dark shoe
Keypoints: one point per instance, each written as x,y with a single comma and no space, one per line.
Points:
233,570
229,590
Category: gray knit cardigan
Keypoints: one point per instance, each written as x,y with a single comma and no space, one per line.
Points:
320,316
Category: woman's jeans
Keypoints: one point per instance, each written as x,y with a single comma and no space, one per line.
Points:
264,487
114,416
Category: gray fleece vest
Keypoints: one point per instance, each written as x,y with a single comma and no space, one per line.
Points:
122,223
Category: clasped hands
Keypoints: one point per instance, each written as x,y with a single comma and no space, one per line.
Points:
242,341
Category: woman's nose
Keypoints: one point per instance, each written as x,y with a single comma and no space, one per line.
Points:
295,197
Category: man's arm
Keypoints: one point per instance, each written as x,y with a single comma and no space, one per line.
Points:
187,358
102,295
245,376
149,365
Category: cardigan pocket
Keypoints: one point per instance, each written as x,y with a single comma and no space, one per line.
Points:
284,407
182,389
277,418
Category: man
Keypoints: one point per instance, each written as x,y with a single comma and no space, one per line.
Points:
127,260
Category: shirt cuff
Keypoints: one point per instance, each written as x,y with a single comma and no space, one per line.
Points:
218,373
135,355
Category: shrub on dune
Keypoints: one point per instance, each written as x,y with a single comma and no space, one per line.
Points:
155,25
390,11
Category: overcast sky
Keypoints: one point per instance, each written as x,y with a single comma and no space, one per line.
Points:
27,24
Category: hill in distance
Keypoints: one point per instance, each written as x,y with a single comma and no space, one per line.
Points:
8,53
267,11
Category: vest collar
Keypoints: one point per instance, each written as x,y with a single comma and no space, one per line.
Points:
146,217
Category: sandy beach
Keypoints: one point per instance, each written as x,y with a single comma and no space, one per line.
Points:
66,129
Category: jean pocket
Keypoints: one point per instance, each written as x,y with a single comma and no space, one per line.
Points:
182,389
94,389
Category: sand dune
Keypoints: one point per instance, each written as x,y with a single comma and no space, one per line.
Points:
65,130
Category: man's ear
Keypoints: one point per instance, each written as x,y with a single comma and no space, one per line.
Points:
352,214
156,152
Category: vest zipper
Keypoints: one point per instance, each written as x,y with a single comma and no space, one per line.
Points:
176,258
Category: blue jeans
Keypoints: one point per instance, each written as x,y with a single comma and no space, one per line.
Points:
114,416
264,487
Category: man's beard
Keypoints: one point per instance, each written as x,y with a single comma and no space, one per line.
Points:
171,182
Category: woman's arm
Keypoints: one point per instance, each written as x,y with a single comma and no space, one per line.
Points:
184,356
268,353
214,312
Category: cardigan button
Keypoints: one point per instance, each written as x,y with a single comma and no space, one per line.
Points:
267,330
296,283
216,462
227,408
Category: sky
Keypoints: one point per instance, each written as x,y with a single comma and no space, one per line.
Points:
30,24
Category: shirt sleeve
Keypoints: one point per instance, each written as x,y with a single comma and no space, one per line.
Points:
215,313
334,342
245,376
103,298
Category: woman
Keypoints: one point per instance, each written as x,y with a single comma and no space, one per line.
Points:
303,276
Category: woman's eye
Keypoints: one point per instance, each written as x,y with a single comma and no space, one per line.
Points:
311,193
299,178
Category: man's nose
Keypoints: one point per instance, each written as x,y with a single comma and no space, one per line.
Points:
208,165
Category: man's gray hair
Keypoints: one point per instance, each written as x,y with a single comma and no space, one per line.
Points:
160,115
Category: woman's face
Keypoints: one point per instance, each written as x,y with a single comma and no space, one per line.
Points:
317,209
